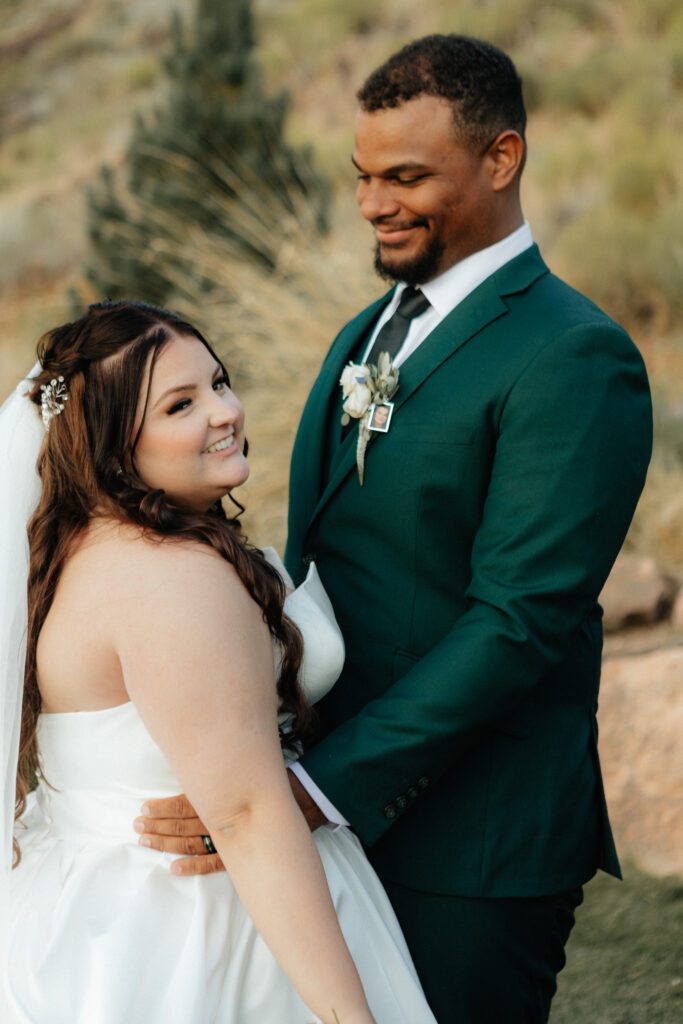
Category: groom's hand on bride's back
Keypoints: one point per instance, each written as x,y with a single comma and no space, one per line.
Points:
172,825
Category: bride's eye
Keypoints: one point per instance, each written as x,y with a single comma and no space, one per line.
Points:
177,406
221,382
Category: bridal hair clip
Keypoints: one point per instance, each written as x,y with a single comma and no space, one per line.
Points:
53,399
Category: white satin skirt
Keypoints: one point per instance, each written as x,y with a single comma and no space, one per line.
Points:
101,932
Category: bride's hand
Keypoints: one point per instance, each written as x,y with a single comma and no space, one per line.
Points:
172,826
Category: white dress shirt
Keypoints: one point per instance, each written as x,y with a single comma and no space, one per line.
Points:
444,293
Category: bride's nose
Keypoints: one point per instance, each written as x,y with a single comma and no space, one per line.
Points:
225,409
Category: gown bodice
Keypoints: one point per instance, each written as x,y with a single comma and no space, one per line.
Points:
100,766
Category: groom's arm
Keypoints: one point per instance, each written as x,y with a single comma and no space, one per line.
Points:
170,824
311,810
571,456
317,809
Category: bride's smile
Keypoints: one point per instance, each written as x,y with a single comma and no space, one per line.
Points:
191,444
225,446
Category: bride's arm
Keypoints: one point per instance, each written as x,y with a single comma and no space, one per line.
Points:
197,661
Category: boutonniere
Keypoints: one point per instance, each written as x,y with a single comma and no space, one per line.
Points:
367,390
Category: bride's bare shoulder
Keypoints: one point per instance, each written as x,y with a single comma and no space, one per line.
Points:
177,591
134,561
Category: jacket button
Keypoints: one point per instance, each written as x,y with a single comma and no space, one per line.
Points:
422,783
308,558
401,802
389,811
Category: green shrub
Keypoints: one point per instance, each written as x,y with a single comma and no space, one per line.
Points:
641,181
590,85
201,159
653,17
566,160
631,264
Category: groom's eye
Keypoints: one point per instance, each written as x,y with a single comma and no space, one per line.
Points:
221,382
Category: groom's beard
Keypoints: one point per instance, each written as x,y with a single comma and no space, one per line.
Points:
423,268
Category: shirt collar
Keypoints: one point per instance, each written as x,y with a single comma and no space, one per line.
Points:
448,289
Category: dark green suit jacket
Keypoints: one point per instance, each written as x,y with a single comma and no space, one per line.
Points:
461,739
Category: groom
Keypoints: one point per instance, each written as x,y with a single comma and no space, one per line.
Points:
461,739
460,742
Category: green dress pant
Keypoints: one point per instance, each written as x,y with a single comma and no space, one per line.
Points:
486,961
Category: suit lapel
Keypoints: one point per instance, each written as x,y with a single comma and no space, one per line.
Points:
479,309
484,305
309,452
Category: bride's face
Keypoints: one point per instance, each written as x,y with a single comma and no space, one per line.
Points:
192,439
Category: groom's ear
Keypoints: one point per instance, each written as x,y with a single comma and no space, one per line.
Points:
506,157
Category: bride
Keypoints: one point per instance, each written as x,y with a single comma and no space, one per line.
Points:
155,636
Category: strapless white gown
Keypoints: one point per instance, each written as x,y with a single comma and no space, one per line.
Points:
102,933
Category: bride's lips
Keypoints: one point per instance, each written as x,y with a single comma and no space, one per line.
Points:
223,446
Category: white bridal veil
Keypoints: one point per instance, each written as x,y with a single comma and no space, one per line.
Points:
21,435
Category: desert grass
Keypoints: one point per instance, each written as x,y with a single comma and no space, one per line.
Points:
624,961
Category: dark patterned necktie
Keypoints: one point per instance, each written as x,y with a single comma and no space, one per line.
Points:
392,335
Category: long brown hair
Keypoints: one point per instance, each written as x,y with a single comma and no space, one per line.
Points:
87,466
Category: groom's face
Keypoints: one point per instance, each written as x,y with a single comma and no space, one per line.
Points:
425,192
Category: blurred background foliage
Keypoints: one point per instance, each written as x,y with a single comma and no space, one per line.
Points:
197,153
213,155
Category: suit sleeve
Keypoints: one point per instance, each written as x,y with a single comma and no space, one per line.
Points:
573,445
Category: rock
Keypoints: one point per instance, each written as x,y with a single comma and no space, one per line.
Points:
636,593
641,753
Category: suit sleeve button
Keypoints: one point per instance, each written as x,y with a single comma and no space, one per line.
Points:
423,782
401,802
389,811
412,792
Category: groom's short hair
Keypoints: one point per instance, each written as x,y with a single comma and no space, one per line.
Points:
478,80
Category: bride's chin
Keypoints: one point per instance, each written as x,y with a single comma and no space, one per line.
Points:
240,478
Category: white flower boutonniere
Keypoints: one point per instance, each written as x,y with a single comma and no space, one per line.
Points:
365,387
